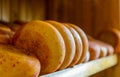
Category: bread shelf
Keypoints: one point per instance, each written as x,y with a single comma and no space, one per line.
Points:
86,69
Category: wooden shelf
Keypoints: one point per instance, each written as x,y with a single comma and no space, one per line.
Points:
86,69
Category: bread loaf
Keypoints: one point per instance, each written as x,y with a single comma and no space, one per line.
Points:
84,42
78,43
6,34
4,29
108,47
14,63
43,40
94,50
69,43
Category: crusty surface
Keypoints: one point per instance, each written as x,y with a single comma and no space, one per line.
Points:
4,38
5,29
43,40
94,50
84,42
13,63
69,43
110,49
78,43
5,34
106,49
103,48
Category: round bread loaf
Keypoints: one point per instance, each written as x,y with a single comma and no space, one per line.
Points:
112,37
78,43
84,42
108,47
103,51
94,50
4,38
14,63
69,43
5,34
105,48
4,29
43,40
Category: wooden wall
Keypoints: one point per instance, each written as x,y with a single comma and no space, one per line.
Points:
106,14
91,15
22,10
79,12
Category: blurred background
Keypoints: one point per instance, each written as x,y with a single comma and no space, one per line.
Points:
91,15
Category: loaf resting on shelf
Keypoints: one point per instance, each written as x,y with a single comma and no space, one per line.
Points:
54,46
15,63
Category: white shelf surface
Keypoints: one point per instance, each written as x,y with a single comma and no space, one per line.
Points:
86,69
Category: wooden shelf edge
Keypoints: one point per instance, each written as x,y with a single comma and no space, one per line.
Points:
86,69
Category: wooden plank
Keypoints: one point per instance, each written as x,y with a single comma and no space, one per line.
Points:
114,71
114,12
119,13
111,72
38,9
30,12
87,16
6,10
0,10
87,69
78,12
106,15
14,13
52,8
22,10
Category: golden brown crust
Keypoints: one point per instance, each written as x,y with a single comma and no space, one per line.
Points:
4,39
78,43
94,50
103,49
14,63
4,29
106,49
69,43
84,42
43,40
110,49
5,34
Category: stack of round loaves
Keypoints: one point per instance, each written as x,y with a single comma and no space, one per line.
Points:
99,49
57,45
42,47
14,62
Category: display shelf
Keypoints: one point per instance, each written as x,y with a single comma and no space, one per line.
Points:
86,69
